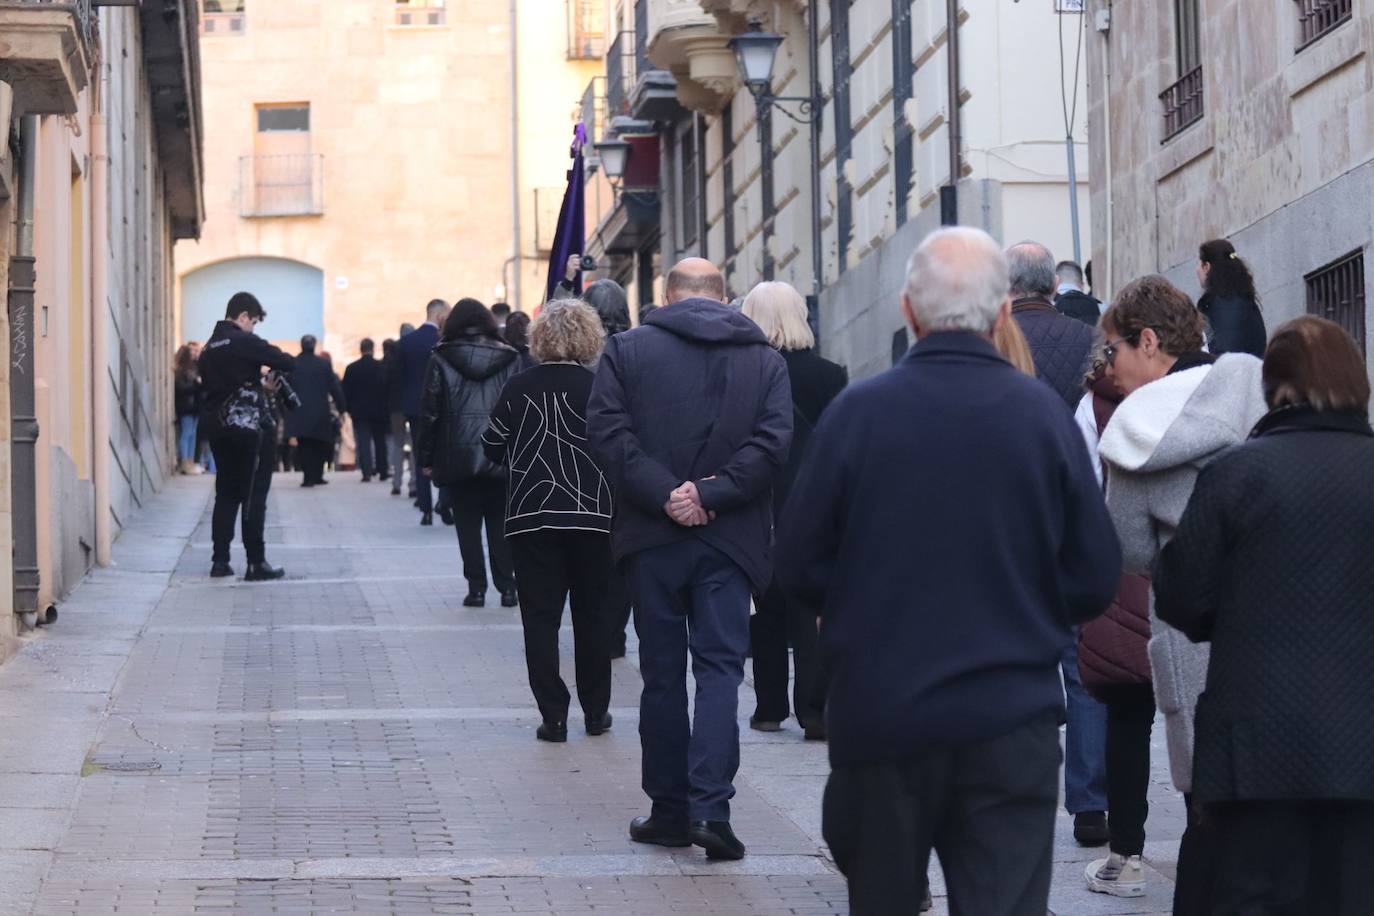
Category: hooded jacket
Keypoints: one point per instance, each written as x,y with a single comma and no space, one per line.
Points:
1158,440
693,394
463,382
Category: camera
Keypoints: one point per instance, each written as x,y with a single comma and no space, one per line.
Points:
588,262
285,393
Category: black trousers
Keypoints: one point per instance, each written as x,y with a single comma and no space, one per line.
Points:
1197,863
619,610
778,624
475,501
987,809
313,455
1130,719
240,490
369,437
1292,858
424,492
554,567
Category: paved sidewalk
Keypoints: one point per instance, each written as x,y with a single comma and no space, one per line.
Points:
352,740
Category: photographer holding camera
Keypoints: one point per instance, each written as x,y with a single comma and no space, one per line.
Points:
239,416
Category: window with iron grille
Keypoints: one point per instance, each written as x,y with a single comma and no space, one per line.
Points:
902,71
1183,100
420,12
727,155
691,187
844,129
586,29
222,17
1318,17
1336,291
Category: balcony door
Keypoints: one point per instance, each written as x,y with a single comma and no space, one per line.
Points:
283,179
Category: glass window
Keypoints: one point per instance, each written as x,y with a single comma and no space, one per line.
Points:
283,118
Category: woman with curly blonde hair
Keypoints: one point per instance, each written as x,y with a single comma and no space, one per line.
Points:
558,513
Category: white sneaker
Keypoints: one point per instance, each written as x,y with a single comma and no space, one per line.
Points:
1117,875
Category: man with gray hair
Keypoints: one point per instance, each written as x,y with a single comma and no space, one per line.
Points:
948,531
1060,346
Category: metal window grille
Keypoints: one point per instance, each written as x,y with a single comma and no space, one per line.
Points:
642,64
1337,292
844,128
620,74
1182,103
727,155
1317,17
1188,35
421,12
691,189
586,29
903,156
281,185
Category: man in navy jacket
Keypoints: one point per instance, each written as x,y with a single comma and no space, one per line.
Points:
949,531
690,419
412,355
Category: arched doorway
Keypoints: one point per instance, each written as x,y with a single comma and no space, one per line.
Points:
290,291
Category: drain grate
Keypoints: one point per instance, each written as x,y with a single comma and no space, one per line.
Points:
132,766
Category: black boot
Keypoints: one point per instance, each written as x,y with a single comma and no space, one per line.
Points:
427,519
509,598
263,572
717,839
658,832
556,732
477,597
220,568
599,725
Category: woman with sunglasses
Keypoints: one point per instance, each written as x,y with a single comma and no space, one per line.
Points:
1182,407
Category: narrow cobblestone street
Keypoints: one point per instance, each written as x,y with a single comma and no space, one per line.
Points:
352,740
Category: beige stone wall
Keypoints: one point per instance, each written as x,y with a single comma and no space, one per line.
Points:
414,125
1280,126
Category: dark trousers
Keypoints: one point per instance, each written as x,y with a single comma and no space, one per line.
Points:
689,597
1130,719
369,436
619,608
1085,741
236,470
477,500
778,624
553,567
1292,858
987,809
313,455
423,492
1197,852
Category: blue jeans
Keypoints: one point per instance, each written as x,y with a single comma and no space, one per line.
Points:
1085,743
689,597
186,437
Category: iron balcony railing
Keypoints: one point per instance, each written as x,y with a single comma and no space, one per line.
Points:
1317,17
620,74
586,29
642,65
87,18
281,185
1182,103
594,108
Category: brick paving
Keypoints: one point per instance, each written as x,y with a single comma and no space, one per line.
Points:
352,740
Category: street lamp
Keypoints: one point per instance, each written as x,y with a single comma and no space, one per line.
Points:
614,155
756,51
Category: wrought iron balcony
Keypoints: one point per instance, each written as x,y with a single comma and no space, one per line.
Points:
594,108
49,52
1317,17
620,74
1182,103
281,185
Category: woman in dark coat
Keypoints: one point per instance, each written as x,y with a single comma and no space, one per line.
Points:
463,382
1228,301
1271,565
780,312
186,382
558,513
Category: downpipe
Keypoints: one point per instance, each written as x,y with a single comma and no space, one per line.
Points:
100,325
23,413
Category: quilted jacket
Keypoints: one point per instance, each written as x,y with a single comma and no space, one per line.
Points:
1061,346
463,383
1271,564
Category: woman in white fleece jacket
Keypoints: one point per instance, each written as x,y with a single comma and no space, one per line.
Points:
1183,407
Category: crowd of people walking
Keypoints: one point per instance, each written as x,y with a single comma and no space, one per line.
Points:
1052,511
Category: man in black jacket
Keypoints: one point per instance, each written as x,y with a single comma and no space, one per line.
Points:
1070,298
312,424
365,391
948,529
691,418
232,360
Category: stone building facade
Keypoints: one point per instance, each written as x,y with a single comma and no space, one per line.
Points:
105,177
740,192
1251,120
364,157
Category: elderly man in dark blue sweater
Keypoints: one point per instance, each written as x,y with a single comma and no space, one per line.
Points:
949,531
690,419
